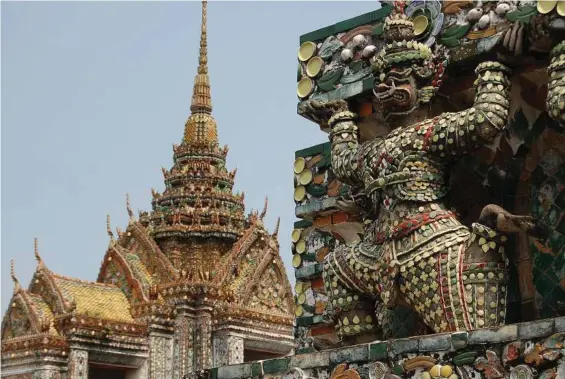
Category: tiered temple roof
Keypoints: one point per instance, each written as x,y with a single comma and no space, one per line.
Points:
195,246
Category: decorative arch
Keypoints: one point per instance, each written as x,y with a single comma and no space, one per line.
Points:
268,286
117,271
21,318
149,252
44,285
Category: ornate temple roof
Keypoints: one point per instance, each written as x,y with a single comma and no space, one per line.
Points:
196,246
198,201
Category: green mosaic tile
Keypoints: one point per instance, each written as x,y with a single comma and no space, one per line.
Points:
312,150
256,369
459,340
302,224
273,366
378,350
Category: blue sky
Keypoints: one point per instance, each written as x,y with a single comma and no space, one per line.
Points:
94,94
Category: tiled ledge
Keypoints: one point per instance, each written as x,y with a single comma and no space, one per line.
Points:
459,348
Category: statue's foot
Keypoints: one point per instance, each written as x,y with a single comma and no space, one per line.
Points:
503,221
527,224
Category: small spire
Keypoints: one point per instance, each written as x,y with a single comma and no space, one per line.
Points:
128,207
276,231
17,287
40,263
264,211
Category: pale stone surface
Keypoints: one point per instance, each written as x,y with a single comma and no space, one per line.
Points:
78,364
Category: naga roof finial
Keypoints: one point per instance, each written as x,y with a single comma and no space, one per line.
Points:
264,211
40,263
17,287
128,206
109,228
276,231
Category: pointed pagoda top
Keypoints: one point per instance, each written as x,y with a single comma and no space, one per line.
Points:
200,128
201,99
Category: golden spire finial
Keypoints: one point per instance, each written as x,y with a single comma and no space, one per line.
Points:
201,99
203,57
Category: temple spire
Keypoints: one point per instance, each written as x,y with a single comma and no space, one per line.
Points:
201,99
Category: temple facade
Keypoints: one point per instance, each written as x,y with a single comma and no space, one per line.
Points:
194,283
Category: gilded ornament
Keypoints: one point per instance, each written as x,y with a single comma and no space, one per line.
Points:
306,51
305,178
299,165
546,6
296,261
305,87
295,236
314,67
420,24
301,246
299,193
561,8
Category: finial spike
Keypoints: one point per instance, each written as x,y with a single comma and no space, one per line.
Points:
108,227
276,231
40,263
17,287
264,211
128,206
13,271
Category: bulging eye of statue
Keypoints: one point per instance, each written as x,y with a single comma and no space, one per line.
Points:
423,72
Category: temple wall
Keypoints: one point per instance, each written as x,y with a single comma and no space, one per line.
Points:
525,350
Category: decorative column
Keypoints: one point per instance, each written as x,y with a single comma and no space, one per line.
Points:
78,364
183,344
228,350
203,340
161,353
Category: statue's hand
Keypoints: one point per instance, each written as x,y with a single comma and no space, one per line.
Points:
322,111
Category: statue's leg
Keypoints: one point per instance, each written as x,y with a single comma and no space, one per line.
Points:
353,308
426,286
484,278
462,286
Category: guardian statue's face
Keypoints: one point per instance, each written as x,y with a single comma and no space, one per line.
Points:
401,89
397,92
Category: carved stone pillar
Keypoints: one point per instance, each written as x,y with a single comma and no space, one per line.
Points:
183,344
78,364
228,350
161,353
203,340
